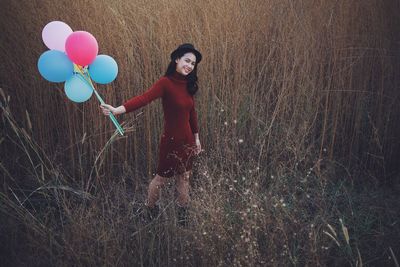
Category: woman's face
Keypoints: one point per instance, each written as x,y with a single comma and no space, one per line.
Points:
186,63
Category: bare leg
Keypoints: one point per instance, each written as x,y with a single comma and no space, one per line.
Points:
154,190
182,185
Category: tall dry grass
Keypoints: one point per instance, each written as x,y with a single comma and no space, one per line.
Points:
298,115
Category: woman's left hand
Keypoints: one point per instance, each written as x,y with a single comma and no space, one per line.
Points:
198,147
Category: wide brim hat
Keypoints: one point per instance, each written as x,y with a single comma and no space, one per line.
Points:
185,48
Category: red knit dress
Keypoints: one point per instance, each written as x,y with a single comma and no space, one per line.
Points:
177,142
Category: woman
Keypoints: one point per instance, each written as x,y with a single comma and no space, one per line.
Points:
180,139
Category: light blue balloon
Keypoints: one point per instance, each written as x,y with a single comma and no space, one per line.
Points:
77,89
104,69
55,66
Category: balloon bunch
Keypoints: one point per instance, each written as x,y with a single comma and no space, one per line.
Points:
73,59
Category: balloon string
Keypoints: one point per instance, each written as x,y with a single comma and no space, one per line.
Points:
88,80
112,117
120,129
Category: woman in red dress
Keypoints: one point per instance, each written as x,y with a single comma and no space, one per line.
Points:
180,139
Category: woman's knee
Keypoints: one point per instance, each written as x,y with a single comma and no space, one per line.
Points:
184,177
158,181
183,188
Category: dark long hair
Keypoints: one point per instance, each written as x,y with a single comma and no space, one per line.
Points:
192,85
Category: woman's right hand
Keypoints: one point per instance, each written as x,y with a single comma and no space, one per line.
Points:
107,109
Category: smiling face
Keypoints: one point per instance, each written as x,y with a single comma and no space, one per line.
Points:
186,63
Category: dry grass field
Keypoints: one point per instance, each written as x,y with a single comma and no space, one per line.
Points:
298,113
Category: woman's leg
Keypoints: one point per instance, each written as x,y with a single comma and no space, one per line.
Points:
182,185
154,190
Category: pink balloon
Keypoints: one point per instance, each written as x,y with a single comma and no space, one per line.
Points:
81,47
54,35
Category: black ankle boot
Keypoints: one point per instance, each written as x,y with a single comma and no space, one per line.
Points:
153,212
148,214
183,219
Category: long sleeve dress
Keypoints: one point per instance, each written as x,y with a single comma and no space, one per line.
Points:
177,142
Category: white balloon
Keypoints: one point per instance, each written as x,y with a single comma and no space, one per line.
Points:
55,34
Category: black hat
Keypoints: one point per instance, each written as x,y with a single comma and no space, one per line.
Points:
186,48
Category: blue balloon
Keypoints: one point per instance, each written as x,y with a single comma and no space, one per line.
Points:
77,89
104,69
55,66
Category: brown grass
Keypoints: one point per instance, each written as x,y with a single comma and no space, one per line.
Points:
311,87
